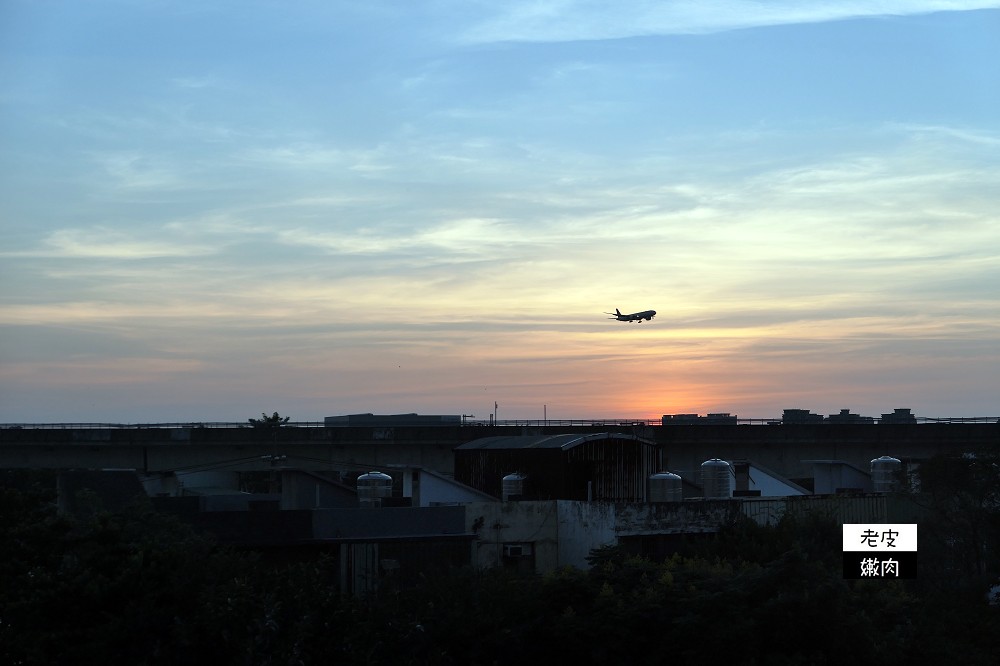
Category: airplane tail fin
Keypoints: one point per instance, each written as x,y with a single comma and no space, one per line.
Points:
617,312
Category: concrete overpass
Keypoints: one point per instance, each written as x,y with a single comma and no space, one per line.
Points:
172,448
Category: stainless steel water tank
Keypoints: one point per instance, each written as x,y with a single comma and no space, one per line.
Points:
717,479
512,486
372,487
886,474
665,487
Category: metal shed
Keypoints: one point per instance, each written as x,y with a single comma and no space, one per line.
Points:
606,466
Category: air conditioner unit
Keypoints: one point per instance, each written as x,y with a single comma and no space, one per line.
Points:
516,549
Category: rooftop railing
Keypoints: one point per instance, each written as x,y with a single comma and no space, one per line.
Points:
609,422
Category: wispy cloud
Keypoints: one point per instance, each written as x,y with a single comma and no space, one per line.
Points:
134,171
981,137
574,20
102,242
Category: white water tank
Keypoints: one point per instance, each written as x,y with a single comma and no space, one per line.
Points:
886,474
372,487
717,479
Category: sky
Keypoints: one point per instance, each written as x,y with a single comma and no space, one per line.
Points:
216,209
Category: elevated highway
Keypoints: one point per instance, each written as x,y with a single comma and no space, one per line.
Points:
785,449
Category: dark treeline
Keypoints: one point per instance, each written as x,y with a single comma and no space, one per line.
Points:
139,587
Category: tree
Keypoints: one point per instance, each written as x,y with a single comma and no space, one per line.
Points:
962,528
273,421
130,587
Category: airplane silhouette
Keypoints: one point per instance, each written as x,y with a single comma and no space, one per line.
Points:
635,316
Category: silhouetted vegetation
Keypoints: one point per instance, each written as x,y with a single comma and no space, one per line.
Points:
962,533
141,588
265,421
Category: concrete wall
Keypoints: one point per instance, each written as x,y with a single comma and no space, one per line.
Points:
688,517
844,509
564,532
498,523
584,526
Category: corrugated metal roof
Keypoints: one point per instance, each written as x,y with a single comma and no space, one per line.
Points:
564,442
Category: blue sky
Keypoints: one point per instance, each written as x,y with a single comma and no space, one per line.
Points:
215,209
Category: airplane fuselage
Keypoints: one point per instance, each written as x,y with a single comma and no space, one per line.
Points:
635,316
